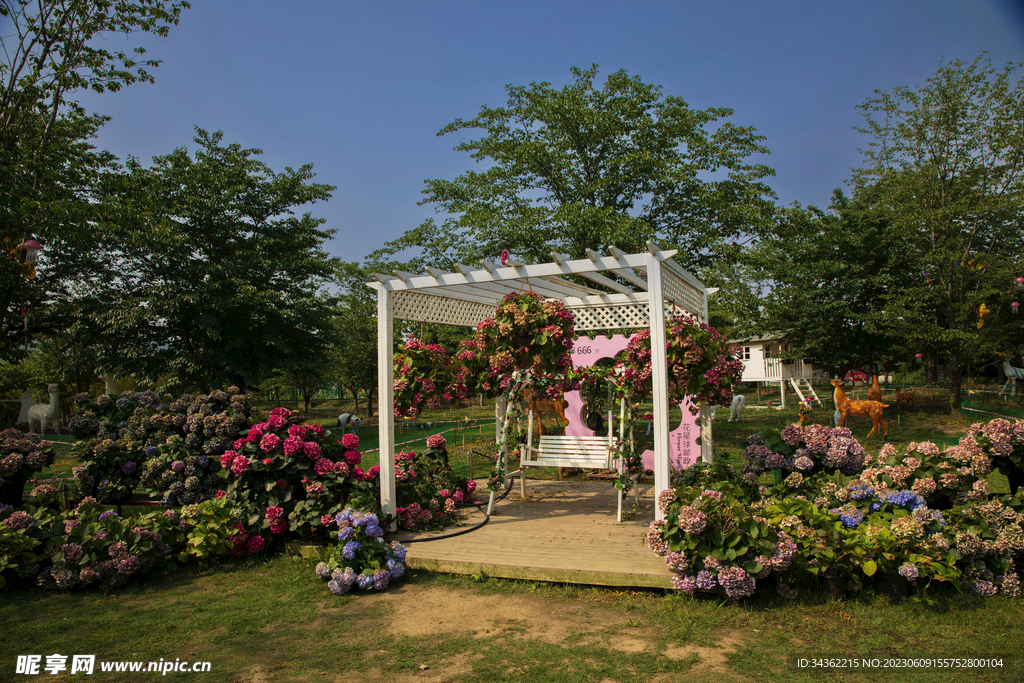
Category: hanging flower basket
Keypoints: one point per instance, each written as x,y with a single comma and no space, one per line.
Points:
701,364
526,333
427,377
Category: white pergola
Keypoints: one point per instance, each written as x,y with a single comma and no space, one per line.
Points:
657,287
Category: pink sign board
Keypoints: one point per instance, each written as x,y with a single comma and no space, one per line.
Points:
683,447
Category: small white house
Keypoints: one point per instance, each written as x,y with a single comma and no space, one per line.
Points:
761,363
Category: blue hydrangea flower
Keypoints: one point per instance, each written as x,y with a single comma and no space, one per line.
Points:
381,579
364,581
395,569
852,519
348,577
150,451
345,533
323,570
349,551
337,588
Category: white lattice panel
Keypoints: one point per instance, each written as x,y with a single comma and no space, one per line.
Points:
682,293
611,317
424,308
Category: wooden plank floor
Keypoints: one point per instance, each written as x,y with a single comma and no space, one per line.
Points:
562,531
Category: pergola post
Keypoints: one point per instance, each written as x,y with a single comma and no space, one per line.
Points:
659,379
386,401
706,453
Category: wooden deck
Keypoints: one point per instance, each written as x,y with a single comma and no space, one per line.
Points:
563,531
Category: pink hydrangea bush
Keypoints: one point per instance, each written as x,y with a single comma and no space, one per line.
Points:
428,492
288,476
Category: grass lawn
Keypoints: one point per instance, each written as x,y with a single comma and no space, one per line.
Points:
273,620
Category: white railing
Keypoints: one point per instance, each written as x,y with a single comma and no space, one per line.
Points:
775,369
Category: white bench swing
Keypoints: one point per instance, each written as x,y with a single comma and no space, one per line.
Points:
581,452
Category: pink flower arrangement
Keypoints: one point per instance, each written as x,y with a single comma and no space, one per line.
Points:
350,442
526,332
323,466
312,450
436,441
426,374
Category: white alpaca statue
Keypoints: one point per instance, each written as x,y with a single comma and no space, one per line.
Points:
42,415
110,380
739,404
1012,375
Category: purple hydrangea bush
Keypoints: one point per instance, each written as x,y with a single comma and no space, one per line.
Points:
362,559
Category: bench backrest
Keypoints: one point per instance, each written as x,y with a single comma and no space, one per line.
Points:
570,451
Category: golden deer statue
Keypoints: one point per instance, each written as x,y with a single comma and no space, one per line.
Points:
847,407
875,392
540,405
903,396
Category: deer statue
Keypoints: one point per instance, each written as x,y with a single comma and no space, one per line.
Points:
847,407
905,396
875,392
42,415
1012,375
540,405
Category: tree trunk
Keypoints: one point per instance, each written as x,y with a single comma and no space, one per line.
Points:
369,404
953,371
931,367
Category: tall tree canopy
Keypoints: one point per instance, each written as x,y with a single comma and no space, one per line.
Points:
822,278
582,167
49,49
200,270
944,169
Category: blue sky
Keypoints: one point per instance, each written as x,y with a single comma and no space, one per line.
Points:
360,89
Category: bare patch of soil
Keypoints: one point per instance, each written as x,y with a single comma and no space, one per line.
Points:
463,612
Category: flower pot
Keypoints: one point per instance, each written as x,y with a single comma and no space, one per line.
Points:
894,586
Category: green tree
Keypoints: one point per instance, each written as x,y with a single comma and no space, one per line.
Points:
823,278
201,271
356,332
944,168
586,168
49,50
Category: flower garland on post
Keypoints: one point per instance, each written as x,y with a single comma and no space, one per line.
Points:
511,431
528,338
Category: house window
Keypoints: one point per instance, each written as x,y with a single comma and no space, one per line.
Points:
746,353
